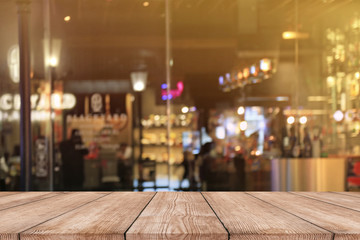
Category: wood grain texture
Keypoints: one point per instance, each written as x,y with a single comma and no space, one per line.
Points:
177,216
354,194
246,217
3,194
346,201
345,223
14,200
20,218
106,218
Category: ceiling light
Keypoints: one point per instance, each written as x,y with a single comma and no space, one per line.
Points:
146,4
303,120
138,80
53,62
338,116
241,110
295,35
265,64
291,120
67,19
185,110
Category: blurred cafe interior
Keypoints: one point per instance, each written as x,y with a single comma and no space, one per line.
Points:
180,95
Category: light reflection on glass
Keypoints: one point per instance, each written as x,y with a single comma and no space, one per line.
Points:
308,174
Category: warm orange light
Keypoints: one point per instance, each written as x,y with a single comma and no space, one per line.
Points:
53,62
67,19
294,35
240,75
146,4
288,35
265,64
246,72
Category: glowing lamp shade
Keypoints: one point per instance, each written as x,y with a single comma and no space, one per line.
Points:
265,65
185,109
53,62
338,116
241,110
138,80
290,120
303,120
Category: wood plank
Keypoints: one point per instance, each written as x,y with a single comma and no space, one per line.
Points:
23,217
109,216
246,217
177,215
4,194
341,221
14,200
346,201
354,194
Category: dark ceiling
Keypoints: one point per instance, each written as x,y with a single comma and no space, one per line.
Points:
107,39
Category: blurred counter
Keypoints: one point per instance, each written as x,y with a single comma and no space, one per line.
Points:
308,174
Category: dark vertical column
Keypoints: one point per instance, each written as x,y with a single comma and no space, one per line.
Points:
140,160
168,79
140,125
23,7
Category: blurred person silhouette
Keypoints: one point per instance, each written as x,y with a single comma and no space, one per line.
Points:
294,151
14,168
205,161
316,142
307,153
239,162
4,171
72,156
124,165
188,165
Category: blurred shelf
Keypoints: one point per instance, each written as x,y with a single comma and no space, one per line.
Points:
165,128
160,145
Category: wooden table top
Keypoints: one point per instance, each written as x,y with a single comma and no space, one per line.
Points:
179,215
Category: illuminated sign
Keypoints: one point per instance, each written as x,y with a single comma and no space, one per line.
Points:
96,103
42,101
14,63
173,93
